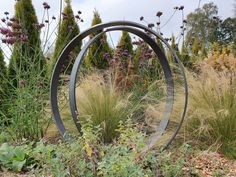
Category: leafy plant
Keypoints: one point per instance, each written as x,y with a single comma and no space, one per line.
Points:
15,158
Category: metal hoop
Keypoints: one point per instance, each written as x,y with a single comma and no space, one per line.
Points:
134,28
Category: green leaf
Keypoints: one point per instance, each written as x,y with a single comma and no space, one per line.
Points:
18,165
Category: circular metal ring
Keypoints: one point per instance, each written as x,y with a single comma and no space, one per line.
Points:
71,46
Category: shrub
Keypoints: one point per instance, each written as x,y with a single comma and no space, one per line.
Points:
222,60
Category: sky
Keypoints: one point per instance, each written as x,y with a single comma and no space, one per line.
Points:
131,10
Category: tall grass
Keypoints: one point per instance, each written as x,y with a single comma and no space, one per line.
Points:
100,101
212,113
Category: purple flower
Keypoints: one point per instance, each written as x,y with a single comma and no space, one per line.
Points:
181,8
24,39
14,19
5,31
16,26
159,14
9,23
46,6
151,25
176,8
77,16
10,40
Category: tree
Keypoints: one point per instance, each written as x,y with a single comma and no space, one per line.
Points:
160,45
226,31
126,42
99,48
195,48
3,85
234,46
67,30
175,47
27,54
202,24
185,57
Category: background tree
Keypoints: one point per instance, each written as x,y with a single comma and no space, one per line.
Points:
202,24
27,54
124,49
195,48
3,86
185,57
100,48
175,47
125,42
226,31
67,30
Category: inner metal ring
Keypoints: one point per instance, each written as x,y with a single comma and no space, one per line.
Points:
163,61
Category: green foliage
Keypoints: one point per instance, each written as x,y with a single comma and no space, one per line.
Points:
175,47
30,53
160,45
16,158
3,86
28,116
126,42
185,57
195,48
67,30
202,24
234,46
88,156
99,48
173,166
226,31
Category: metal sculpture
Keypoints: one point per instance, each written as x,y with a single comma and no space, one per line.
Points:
138,30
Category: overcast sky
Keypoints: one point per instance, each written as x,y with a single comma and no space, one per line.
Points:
127,10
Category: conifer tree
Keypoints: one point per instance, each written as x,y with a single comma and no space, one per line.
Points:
234,46
28,55
66,32
175,47
195,48
99,48
160,45
126,42
3,84
185,57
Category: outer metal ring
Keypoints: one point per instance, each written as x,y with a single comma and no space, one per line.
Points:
122,25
